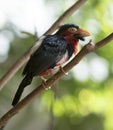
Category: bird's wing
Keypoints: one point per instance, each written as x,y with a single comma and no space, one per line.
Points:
51,51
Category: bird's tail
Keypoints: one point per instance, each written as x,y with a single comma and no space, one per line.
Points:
25,82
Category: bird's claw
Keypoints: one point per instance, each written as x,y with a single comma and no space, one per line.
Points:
61,69
44,83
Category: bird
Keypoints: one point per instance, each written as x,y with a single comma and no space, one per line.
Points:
54,51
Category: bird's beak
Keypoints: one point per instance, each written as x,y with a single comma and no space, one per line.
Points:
82,32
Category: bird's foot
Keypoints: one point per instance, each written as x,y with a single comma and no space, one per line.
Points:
44,83
61,69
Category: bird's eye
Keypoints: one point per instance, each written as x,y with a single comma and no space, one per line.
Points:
72,30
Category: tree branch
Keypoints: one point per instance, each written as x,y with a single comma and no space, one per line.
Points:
84,51
20,62
104,41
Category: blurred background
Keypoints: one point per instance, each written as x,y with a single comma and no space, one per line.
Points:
83,100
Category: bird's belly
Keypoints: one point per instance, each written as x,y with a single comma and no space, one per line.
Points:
46,73
57,66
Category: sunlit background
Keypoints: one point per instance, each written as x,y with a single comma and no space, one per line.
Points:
81,100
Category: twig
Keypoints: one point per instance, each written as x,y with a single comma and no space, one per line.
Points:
85,50
104,41
19,63
64,16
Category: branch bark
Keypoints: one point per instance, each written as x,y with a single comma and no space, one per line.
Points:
20,62
84,51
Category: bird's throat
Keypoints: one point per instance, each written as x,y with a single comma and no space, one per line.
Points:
72,41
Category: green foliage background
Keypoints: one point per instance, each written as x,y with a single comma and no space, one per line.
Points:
72,103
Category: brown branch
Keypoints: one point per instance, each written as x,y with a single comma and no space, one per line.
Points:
19,63
104,41
84,51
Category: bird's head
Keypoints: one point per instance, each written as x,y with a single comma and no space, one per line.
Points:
72,34
73,30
